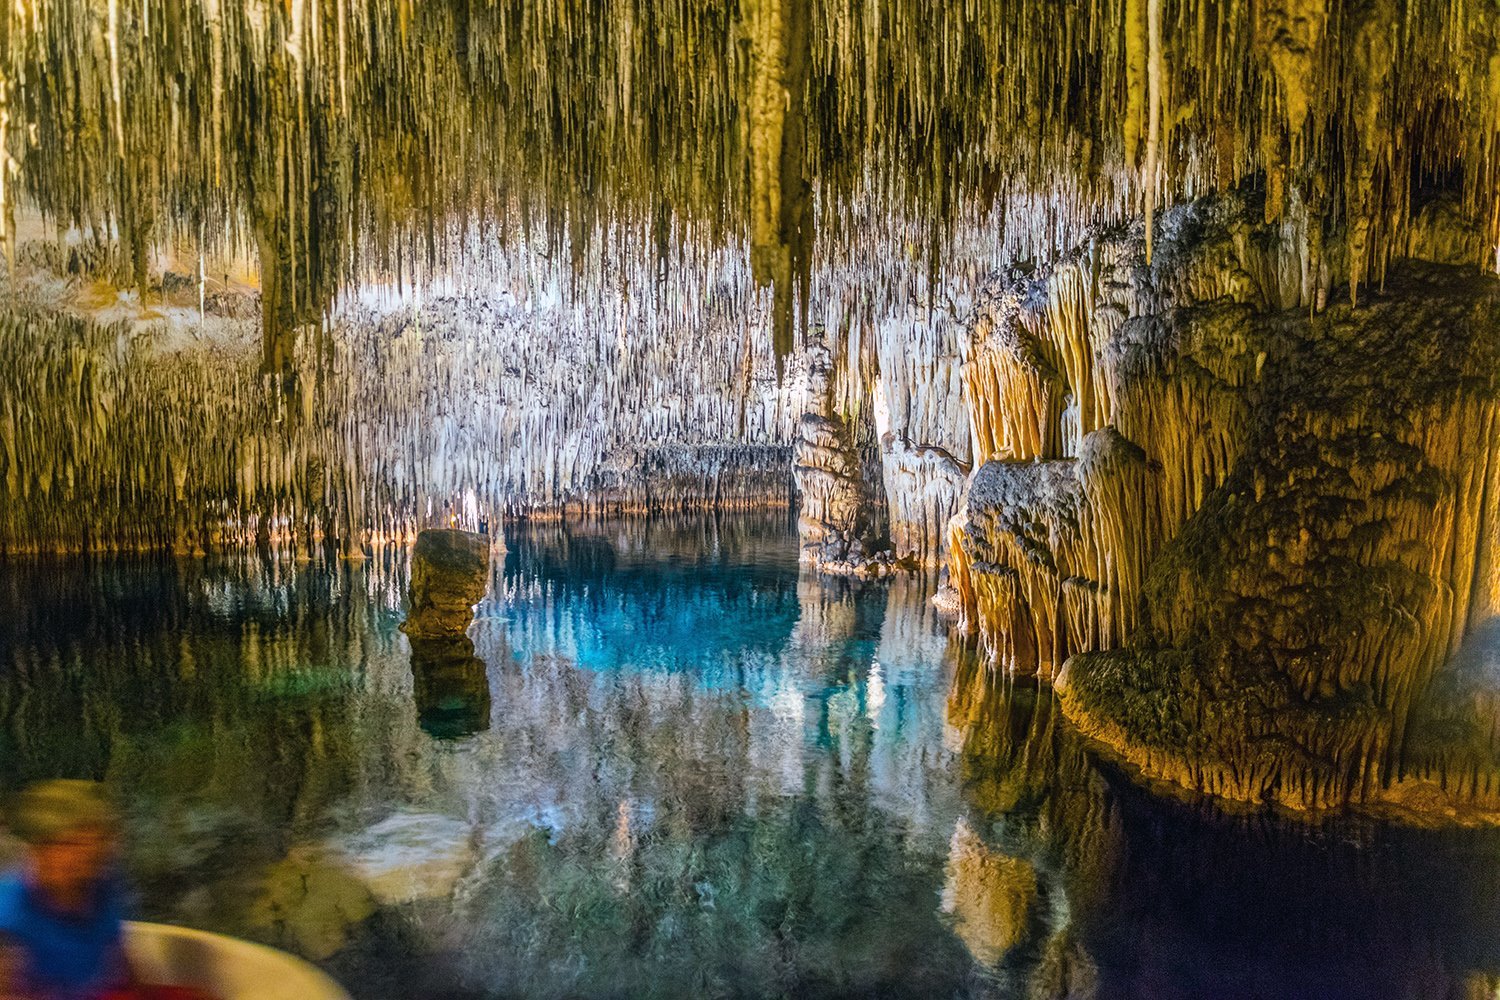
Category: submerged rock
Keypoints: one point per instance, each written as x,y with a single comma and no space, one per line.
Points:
311,904
449,575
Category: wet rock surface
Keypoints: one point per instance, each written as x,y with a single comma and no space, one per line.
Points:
449,575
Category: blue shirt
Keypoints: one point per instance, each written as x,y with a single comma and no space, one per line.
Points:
66,956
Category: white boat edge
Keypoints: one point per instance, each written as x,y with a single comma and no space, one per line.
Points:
227,968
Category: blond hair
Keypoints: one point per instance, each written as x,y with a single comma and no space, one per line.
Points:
50,810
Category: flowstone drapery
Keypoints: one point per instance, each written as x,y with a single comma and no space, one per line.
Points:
1247,541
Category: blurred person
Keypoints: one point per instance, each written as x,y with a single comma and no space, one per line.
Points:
62,910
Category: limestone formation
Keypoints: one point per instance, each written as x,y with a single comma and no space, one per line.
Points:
1161,323
450,572
1253,577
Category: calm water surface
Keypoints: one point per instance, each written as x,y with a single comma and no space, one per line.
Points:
672,766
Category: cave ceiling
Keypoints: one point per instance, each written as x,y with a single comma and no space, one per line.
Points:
335,139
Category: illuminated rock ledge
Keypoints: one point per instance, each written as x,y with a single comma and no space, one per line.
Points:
1270,572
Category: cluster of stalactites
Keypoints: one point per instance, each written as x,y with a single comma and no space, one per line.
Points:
339,135
123,429
1101,416
1052,555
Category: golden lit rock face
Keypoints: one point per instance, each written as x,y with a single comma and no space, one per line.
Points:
1055,551
1254,580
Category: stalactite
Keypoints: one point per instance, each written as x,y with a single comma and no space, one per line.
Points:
1056,553
923,485
780,197
400,123
1152,179
174,442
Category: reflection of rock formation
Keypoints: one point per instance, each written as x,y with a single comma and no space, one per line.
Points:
1139,897
451,686
1015,892
1255,536
989,895
449,573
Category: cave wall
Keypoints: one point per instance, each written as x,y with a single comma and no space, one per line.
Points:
503,393
1244,525
125,426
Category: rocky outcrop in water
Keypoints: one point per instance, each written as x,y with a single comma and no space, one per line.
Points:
450,572
838,522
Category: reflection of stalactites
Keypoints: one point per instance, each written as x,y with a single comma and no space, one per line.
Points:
1065,969
1007,736
1016,752
622,846
451,686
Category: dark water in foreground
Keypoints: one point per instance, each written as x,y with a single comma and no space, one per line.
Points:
676,768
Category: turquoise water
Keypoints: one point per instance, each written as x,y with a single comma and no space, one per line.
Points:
674,766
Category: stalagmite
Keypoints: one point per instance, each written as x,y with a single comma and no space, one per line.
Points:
835,524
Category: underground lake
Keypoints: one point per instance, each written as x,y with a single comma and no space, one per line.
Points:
678,764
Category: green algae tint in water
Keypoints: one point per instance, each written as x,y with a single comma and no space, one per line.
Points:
671,766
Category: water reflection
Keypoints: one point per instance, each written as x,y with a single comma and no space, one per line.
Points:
1150,898
451,687
667,764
